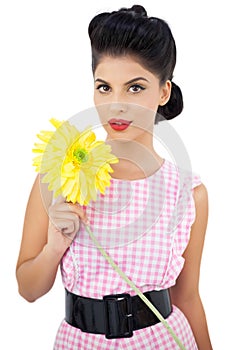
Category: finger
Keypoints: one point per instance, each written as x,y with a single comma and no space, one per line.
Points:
61,206
64,209
57,216
66,226
59,200
77,209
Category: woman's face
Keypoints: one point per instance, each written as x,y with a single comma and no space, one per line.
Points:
127,97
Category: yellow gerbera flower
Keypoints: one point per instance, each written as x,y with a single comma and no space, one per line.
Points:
75,165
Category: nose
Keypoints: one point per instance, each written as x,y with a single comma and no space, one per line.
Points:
117,108
117,101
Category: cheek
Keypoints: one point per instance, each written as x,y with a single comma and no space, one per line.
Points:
152,101
95,98
98,98
149,100
103,111
144,117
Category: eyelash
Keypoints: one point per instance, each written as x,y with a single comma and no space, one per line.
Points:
138,87
102,86
132,86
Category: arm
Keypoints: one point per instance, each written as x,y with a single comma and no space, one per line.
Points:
43,243
185,294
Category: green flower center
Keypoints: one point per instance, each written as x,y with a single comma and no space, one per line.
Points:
81,155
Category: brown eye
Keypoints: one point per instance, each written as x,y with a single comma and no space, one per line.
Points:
103,88
136,88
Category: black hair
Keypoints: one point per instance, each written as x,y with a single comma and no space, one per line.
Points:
129,31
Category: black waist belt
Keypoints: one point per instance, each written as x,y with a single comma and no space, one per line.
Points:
117,315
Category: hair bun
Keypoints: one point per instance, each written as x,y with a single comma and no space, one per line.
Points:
174,106
139,9
135,10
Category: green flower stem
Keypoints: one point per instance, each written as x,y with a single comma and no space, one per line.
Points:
133,286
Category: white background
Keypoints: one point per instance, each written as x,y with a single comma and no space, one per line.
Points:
46,72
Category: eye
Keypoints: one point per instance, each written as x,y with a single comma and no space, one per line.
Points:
136,88
103,88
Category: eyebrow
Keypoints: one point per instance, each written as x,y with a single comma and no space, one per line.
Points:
127,83
136,79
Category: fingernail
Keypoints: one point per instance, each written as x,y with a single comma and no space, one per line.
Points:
87,222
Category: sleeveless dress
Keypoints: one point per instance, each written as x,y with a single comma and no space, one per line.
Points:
144,225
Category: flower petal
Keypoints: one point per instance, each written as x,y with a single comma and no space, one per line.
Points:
76,178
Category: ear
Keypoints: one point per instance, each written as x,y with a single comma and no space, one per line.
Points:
165,92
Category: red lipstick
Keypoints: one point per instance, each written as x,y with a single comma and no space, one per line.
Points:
119,124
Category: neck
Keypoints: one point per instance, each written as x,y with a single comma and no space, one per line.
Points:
135,160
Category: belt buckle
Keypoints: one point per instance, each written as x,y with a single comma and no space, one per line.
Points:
118,316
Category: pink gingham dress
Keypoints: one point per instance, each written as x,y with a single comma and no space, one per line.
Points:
145,226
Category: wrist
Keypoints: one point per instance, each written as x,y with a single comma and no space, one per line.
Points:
53,254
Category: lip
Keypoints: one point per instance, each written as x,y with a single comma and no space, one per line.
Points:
119,124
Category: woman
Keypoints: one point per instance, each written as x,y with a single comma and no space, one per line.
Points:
133,58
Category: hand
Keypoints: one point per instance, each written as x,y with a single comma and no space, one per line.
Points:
64,222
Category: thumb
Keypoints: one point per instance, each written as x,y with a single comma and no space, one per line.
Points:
60,200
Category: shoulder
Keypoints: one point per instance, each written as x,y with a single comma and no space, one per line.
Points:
199,226
184,178
200,195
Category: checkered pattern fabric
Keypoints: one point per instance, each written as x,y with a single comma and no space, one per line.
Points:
145,226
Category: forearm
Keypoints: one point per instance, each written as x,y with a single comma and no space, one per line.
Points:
36,276
195,314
